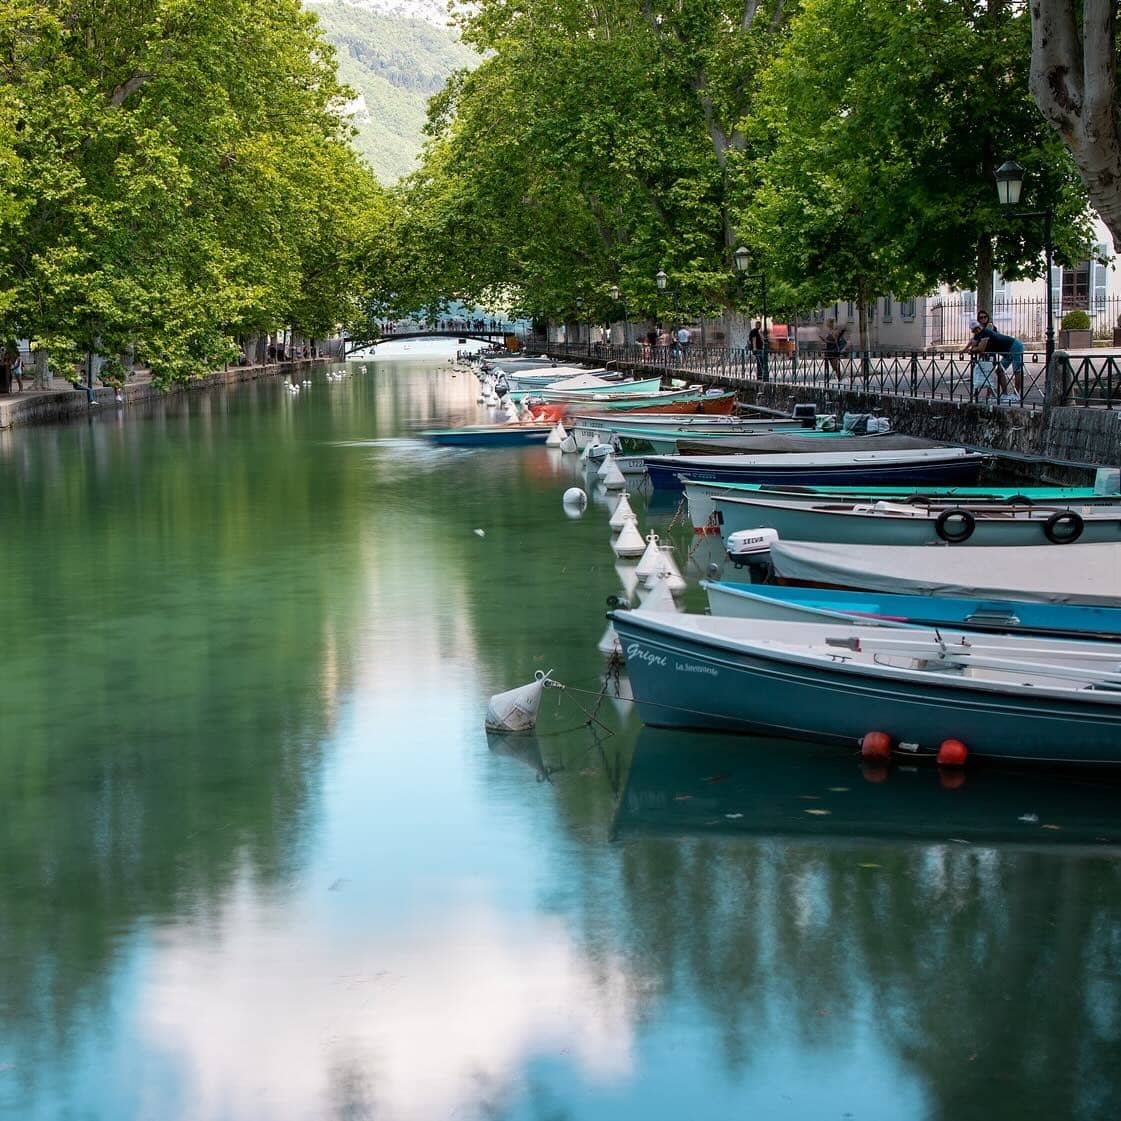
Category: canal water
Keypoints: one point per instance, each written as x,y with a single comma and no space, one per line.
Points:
259,860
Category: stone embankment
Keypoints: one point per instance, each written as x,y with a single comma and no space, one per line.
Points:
45,406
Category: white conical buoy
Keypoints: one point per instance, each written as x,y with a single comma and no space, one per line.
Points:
622,512
651,558
629,579
669,572
629,542
516,709
613,479
609,644
659,598
605,466
556,437
568,445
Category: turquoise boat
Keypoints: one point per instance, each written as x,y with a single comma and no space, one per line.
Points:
699,494
899,523
779,603
559,390
489,435
1007,698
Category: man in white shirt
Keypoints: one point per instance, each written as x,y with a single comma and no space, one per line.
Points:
683,336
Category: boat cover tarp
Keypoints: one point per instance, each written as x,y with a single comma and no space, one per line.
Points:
1087,574
795,442
580,381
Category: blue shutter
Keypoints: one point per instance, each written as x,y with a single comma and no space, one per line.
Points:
1098,280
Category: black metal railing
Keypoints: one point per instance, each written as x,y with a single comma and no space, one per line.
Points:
1085,380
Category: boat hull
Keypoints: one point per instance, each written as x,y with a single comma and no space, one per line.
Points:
702,509
685,681
1080,574
665,472
501,436
777,603
801,522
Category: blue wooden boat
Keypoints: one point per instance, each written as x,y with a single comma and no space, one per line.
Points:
926,466
489,435
1000,616
1009,698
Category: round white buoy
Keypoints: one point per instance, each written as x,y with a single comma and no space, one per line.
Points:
609,644
629,542
651,558
556,437
568,445
613,479
658,598
622,512
574,496
516,709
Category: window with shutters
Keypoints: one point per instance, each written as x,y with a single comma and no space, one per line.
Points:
1099,277
907,309
1076,286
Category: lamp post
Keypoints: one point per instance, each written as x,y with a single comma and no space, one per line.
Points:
743,261
661,280
1009,184
616,295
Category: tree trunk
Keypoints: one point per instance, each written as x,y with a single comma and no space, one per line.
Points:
1074,81
862,316
984,273
41,369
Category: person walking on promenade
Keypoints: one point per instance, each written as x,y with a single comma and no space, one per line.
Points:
1011,354
835,344
755,345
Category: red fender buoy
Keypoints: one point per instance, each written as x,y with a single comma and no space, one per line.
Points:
953,753
876,745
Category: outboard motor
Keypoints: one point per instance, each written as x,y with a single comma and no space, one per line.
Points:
752,548
806,413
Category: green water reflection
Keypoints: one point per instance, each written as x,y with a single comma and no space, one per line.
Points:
258,859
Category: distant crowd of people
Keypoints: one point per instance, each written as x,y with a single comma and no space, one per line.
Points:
392,327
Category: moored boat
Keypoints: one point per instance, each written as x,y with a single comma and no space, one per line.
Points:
488,435
893,523
1087,574
1007,698
931,465
780,603
702,511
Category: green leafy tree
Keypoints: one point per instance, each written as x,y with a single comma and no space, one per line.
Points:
886,123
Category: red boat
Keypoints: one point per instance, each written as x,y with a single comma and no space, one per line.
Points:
715,404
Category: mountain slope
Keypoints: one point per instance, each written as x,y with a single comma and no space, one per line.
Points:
395,55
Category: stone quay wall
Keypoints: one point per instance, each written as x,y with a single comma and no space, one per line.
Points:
61,404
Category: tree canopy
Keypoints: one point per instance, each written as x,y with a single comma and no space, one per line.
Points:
849,145
173,175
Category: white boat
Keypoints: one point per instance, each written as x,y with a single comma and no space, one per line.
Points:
1008,698
896,523
1089,574
703,512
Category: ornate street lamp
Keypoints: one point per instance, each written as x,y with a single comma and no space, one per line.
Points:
743,261
616,294
1009,184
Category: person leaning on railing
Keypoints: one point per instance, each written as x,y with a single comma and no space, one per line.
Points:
1010,351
